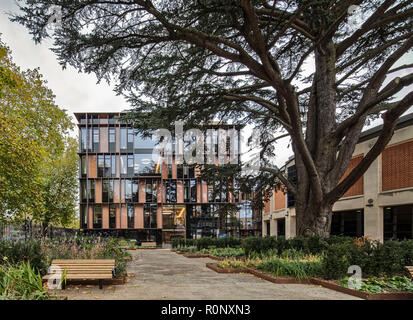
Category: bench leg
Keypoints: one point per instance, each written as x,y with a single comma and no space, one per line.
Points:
100,284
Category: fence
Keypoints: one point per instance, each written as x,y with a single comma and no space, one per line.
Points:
29,230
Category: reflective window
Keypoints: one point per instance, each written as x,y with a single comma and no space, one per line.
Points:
135,191
146,164
113,166
91,191
97,216
174,217
123,141
131,216
140,142
83,190
112,216
170,190
130,165
112,139
83,166
130,140
96,139
107,171
84,216
123,165
105,191
150,215
151,190
83,140
128,190
101,165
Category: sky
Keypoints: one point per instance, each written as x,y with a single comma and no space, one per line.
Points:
80,92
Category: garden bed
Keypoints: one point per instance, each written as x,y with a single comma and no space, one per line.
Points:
315,281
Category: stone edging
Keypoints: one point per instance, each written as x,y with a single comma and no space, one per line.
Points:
315,281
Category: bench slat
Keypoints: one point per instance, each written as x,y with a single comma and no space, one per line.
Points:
84,261
83,276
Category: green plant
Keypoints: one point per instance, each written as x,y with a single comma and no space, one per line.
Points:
376,285
14,252
21,282
299,269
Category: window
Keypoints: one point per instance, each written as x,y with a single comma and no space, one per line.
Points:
97,216
193,190
210,194
83,217
140,142
101,165
179,171
123,141
131,216
90,139
83,166
83,190
95,139
150,215
83,140
107,170
151,190
146,164
112,216
111,190
130,165
113,166
105,190
174,217
112,139
170,190
91,191
292,176
123,166
190,190
128,190
135,191
130,140
281,227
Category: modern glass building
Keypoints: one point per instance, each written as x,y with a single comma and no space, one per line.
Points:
126,190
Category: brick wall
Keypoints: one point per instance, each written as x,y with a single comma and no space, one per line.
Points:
357,188
397,166
279,200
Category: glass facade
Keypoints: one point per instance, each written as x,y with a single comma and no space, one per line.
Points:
123,186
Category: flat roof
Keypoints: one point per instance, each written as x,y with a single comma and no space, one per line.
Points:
403,122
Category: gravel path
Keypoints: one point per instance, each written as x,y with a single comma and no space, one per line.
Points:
162,274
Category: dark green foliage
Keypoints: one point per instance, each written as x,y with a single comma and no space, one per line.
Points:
308,245
206,242
14,252
374,258
292,268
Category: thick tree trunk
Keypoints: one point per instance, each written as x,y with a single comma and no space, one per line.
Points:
313,219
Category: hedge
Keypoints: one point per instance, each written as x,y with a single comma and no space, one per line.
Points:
206,242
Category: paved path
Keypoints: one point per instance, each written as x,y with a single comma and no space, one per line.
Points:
162,274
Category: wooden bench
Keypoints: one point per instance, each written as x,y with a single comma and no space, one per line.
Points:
410,269
148,244
82,269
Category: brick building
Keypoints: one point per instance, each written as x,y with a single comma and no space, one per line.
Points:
125,190
378,205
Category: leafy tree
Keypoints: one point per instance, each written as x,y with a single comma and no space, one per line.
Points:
32,136
60,188
246,60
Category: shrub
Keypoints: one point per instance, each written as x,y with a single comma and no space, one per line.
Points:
299,269
374,258
15,252
21,282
